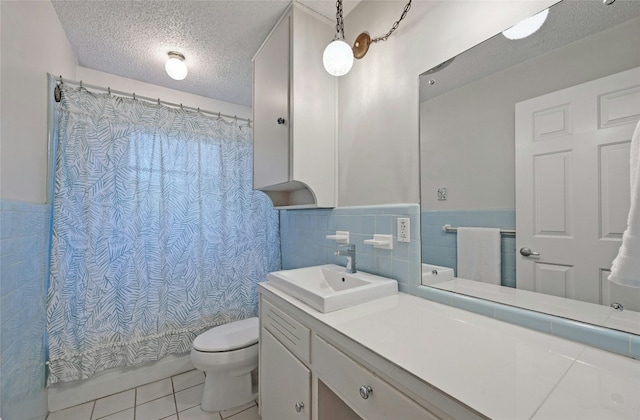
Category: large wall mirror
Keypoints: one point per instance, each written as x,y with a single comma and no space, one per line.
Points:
532,136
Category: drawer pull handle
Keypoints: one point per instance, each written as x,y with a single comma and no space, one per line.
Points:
365,391
299,406
281,120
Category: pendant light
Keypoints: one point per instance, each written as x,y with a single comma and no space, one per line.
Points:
338,56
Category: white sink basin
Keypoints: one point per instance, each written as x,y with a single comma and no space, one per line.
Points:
328,287
434,274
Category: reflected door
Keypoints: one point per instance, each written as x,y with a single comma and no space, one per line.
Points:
572,185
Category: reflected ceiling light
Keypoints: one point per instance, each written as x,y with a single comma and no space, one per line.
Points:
338,55
175,66
526,27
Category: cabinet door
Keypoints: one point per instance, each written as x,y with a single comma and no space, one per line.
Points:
271,130
284,381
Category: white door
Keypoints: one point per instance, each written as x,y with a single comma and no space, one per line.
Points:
572,185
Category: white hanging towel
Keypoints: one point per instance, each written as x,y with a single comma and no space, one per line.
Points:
625,269
479,254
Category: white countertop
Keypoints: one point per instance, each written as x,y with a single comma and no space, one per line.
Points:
499,369
567,308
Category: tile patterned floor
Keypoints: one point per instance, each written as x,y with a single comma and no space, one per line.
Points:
175,398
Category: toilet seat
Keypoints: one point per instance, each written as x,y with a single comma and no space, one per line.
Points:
228,337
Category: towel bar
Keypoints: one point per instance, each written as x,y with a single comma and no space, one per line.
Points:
449,228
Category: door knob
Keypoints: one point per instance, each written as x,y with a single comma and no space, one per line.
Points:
365,391
299,406
280,120
526,252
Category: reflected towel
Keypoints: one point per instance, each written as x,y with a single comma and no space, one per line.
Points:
625,269
479,254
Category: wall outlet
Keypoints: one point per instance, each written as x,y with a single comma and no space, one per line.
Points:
404,229
442,193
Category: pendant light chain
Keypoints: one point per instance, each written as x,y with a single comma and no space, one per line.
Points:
395,25
339,20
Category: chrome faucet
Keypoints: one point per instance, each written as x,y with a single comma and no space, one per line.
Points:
349,251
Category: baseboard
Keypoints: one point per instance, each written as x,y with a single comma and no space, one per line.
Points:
112,381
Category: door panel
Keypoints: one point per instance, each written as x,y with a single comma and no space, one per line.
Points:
271,151
289,382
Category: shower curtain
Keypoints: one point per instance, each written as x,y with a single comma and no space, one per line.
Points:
157,233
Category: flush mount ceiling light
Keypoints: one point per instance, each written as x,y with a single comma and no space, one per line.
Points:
338,55
175,66
526,27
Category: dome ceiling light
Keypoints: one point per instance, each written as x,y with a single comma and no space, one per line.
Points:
175,66
526,27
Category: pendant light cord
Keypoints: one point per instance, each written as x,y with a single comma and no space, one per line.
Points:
395,25
339,20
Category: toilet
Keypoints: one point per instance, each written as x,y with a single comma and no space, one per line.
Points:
227,354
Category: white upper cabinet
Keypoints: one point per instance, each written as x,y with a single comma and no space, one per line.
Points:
294,112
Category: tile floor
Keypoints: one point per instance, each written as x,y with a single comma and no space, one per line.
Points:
175,398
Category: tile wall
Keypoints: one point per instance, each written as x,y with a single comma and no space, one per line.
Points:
24,259
439,247
303,239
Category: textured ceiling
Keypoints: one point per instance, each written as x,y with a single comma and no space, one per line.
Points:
218,38
567,22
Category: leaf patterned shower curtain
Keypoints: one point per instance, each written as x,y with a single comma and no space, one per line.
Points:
157,234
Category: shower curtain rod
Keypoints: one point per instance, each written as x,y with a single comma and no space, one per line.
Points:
133,95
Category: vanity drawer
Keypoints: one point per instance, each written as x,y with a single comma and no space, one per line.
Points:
346,377
292,334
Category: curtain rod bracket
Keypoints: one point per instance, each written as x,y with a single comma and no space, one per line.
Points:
57,93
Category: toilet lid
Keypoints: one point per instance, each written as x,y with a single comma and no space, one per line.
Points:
227,337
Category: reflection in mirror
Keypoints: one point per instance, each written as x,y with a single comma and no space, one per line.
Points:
532,136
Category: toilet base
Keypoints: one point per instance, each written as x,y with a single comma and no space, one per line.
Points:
222,392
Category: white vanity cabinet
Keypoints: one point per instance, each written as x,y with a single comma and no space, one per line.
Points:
308,371
294,113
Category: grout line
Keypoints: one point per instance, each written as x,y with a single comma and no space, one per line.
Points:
175,400
93,408
135,402
552,390
117,412
231,417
